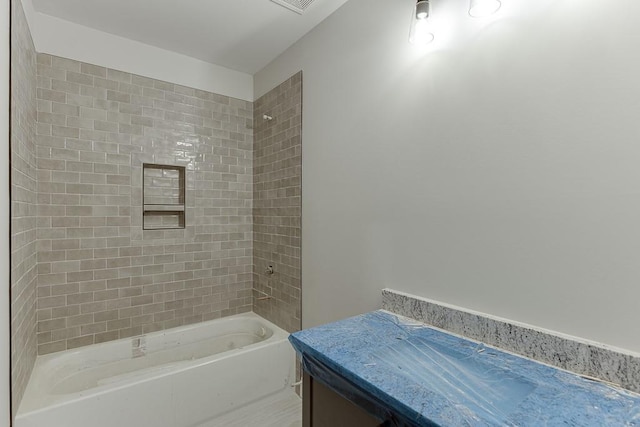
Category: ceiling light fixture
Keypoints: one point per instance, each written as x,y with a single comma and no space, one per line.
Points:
420,33
483,8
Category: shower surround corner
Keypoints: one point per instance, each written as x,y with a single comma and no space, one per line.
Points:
23,203
277,190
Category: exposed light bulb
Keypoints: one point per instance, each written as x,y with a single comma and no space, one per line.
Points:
422,9
483,8
420,33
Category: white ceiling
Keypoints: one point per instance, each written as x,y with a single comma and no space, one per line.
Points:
244,35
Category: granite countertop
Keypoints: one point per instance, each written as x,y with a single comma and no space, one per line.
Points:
431,378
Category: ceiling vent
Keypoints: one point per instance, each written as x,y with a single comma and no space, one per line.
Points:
298,6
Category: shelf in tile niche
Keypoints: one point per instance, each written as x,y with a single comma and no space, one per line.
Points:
163,194
164,208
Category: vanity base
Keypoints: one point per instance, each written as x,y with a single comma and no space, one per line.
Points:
322,407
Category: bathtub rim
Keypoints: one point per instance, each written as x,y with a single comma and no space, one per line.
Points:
32,401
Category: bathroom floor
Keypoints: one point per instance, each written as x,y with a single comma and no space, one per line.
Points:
283,409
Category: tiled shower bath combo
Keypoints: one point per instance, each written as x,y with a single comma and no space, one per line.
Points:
141,205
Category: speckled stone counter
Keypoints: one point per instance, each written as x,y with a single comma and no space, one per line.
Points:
398,368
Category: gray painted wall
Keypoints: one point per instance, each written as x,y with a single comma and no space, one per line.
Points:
496,170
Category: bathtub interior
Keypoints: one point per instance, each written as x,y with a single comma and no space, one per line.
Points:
72,374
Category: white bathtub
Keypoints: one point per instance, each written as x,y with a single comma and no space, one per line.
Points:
180,377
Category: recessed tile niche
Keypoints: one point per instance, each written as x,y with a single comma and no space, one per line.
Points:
163,194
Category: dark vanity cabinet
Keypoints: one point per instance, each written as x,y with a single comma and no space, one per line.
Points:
323,407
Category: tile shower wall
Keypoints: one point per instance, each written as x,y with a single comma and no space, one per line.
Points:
277,169
23,203
100,276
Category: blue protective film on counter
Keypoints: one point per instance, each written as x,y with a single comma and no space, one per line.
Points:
410,374
466,379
